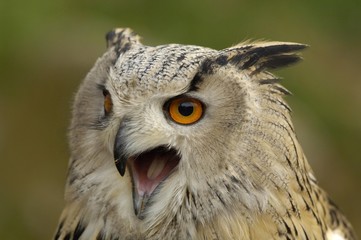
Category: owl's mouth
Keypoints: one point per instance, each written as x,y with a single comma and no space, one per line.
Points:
148,170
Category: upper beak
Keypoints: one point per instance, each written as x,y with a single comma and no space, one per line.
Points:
120,157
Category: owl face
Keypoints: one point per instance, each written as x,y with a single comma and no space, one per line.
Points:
163,122
162,108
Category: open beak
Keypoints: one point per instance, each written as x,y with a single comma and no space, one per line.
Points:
148,170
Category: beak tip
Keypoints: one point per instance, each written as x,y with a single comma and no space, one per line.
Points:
121,166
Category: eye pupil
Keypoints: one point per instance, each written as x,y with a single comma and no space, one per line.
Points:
186,108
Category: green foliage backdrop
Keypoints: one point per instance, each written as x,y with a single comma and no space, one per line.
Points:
47,47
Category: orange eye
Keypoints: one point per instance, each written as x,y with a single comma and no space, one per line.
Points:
185,110
108,104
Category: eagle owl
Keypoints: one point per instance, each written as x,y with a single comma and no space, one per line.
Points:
187,142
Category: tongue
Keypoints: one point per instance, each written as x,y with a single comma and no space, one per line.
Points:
156,167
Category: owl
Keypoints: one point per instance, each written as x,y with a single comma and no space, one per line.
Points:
186,142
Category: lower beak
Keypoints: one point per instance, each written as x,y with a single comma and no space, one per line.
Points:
139,203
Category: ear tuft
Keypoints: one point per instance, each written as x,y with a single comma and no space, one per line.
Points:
261,56
122,39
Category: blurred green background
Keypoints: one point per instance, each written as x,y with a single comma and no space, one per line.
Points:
47,47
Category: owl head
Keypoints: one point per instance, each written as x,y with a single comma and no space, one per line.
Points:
177,133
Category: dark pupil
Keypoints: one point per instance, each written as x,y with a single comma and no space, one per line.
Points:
185,108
